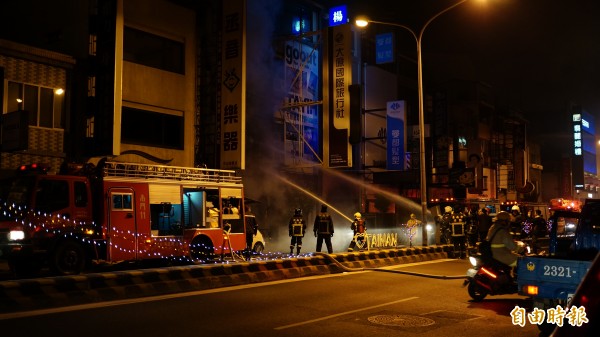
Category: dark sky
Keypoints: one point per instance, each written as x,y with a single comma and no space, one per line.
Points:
536,54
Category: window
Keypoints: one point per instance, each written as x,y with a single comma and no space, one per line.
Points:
153,51
52,195
122,202
150,128
44,105
81,197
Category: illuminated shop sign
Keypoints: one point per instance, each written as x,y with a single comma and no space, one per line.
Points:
577,145
338,16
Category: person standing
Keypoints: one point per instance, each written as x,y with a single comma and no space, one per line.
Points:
446,225
516,222
458,234
251,229
484,222
539,230
297,228
323,229
359,229
411,225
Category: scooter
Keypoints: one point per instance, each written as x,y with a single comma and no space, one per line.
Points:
491,277
488,278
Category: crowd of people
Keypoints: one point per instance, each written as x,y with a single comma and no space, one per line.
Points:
463,228
466,227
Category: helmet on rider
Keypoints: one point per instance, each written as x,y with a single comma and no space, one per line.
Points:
448,209
298,211
516,208
503,216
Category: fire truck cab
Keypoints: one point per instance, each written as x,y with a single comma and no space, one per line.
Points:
114,212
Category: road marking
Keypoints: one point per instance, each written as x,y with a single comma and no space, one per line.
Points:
41,312
344,313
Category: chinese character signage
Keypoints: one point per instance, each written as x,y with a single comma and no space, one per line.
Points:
396,137
233,91
384,48
338,151
338,15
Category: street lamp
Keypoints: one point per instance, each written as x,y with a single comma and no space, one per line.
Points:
363,22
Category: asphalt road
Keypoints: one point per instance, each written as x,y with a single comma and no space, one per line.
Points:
348,304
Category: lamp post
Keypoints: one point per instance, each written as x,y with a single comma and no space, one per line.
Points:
363,22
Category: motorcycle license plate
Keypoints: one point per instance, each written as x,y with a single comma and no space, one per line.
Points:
471,272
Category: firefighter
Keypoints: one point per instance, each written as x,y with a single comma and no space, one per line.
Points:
297,228
516,222
251,229
323,229
459,238
446,225
411,225
359,229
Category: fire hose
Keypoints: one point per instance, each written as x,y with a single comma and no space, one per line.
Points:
348,269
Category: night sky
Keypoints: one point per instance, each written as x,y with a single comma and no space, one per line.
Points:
537,55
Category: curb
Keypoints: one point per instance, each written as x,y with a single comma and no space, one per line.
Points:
51,292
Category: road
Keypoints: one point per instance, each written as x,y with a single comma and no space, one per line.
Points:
348,304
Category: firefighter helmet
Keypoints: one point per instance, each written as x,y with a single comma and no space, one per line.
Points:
357,215
448,209
516,208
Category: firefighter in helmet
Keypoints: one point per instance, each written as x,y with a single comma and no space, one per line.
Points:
359,229
445,222
459,238
297,228
323,229
516,222
411,225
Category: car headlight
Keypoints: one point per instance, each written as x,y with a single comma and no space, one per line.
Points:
473,261
16,235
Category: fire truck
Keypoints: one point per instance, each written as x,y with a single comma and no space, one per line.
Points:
115,212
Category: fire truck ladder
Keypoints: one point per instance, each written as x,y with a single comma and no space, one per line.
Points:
233,255
162,172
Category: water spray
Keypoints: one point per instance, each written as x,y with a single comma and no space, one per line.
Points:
312,195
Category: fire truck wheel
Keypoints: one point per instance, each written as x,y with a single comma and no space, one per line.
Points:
68,258
258,248
202,250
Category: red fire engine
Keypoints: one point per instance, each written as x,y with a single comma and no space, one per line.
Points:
114,212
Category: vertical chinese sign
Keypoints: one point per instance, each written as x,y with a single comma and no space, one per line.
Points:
233,78
340,77
396,137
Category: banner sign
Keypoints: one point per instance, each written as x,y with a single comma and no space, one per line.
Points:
396,136
340,74
233,79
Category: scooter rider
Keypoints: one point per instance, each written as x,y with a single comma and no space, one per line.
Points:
502,244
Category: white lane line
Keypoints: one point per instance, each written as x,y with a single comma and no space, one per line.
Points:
343,313
78,307
41,312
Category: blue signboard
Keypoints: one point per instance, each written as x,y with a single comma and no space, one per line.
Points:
396,115
384,48
338,15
